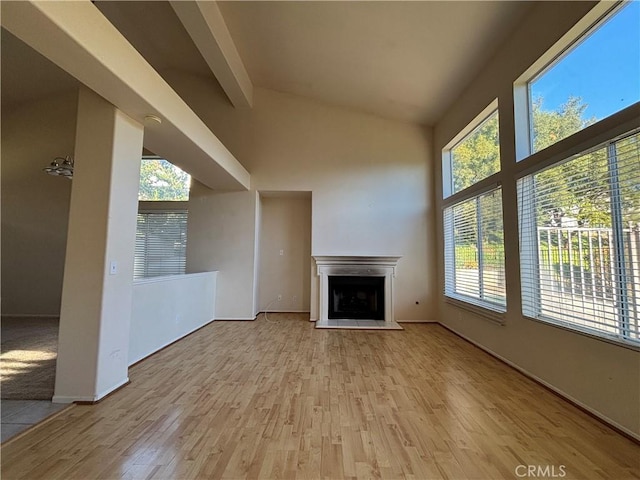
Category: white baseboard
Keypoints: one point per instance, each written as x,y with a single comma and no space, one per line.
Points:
31,315
233,319
416,321
95,398
555,389
106,392
66,399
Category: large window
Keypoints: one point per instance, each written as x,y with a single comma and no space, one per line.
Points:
161,236
591,80
579,213
161,243
580,240
474,235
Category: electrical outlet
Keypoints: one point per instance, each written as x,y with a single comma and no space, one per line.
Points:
279,298
294,298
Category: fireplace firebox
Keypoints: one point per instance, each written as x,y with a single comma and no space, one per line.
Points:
356,297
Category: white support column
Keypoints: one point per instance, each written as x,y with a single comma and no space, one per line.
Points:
98,276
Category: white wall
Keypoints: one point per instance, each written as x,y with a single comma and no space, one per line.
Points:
166,309
370,180
220,237
603,377
285,252
35,206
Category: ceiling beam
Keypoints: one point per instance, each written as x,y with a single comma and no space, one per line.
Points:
80,40
208,30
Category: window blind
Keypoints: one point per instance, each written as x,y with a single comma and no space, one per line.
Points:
161,241
580,240
474,251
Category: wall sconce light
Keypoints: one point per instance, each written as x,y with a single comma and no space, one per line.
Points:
61,167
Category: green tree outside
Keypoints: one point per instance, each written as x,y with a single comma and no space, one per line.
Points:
551,126
579,187
477,156
162,181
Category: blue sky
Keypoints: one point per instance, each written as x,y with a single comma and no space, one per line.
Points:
604,70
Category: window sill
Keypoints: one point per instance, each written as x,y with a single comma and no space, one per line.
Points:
488,313
170,278
587,333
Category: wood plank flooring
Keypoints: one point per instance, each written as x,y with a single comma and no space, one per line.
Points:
281,399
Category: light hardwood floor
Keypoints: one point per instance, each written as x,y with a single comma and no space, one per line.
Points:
280,399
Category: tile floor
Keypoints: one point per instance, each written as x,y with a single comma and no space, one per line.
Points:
359,324
18,415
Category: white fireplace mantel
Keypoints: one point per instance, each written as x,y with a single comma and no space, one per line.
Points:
356,265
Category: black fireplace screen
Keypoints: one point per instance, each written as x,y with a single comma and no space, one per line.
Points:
358,298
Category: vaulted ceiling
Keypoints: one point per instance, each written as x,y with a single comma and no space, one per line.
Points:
397,59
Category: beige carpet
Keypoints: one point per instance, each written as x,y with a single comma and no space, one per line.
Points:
28,352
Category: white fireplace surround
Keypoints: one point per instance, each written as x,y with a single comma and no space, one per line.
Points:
356,266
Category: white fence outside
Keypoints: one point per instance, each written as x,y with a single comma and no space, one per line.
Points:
583,282
578,278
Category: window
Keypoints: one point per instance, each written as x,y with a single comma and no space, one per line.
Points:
476,156
160,180
595,78
474,251
580,240
161,242
161,236
579,203
473,230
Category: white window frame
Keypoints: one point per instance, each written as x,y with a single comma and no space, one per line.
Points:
601,132
485,309
478,303
598,15
530,261
447,174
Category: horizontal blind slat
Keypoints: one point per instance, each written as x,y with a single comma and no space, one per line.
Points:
474,251
161,240
580,240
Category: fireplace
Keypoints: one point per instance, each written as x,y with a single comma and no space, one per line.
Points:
357,298
355,289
